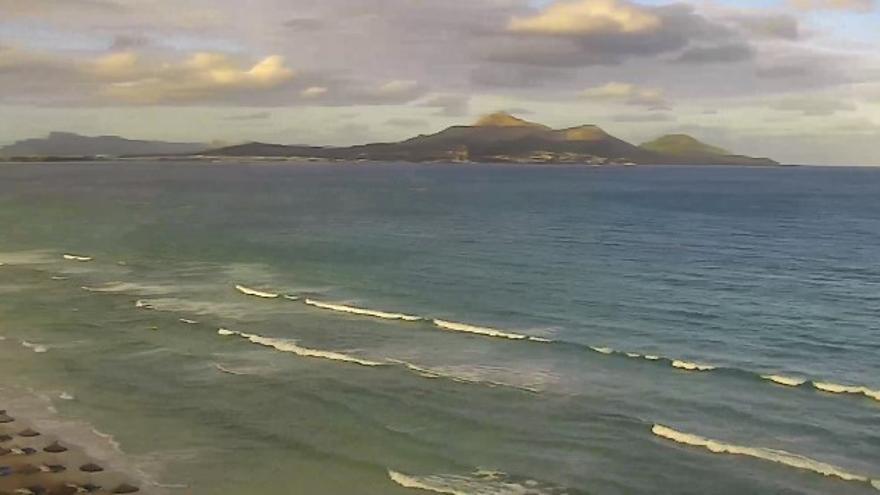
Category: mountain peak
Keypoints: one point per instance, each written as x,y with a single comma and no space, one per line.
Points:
584,133
504,119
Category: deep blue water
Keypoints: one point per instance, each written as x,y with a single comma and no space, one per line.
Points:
568,314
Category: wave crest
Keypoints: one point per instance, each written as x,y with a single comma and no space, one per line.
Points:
689,366
480,482
773,455
39,349
290,346
76,257
489,332
788,381
835,388
256,293
341,308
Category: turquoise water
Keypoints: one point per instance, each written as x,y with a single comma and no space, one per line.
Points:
530,330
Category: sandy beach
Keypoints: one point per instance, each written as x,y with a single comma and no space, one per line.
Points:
37,462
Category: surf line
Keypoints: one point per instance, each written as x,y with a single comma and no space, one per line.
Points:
772,455
446,325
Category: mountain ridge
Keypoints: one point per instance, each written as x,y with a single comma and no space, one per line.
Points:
496,137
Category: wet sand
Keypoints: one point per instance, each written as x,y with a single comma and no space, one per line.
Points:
38,463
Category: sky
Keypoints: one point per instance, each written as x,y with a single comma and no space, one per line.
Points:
796,80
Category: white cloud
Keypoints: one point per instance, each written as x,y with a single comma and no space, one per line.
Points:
314,92
850,5
201,77
587,17
630,94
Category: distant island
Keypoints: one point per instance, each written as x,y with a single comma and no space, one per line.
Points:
494,138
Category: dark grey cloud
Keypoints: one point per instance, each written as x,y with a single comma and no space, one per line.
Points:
448,105
719,54
305,23
123,42
770,26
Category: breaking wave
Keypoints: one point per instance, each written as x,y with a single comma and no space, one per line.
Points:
835,388
689,366
675,363
784,380
256,293
142,304
480,482
362,311
39,349
75,257
188,321
290,346
788,381
489,332
772,455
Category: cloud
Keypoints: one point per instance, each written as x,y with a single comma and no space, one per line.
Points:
406,122
813,106
124,42
250,116
203,77
729,53
604,32
314,92
581,17
629,94
768,26
448,105
845,5
644,117
39,8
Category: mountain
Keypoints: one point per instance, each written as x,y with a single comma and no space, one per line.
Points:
501,137
69,144
497,137
686,149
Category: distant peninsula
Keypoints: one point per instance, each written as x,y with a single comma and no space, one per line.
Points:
494,138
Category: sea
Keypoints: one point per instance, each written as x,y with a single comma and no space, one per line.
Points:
387,328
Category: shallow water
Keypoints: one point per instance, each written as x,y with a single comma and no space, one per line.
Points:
479,330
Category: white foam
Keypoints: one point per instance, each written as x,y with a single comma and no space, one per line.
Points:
129,288
142,304
773,455
291,298
788,381
836,388
689,366
74,257
66,396
478,483
490,332
603,350
256,293
58,278
458,376
188,321
39,349
362,311
290,346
